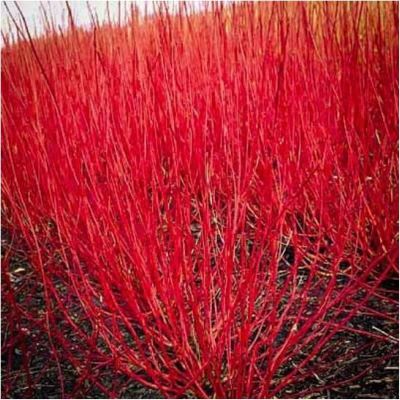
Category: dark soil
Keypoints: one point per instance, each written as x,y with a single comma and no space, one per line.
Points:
29,368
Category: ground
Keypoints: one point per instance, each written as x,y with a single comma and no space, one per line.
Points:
26,348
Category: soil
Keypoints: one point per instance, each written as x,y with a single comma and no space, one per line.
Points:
26,348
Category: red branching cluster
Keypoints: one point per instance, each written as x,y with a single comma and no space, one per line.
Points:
206,202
